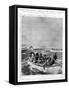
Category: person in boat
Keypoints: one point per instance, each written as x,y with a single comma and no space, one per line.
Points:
44,58
41,58
54,59
55,56
44,61
31,56
36,57
49,60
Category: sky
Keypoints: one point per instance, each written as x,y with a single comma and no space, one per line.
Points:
42,32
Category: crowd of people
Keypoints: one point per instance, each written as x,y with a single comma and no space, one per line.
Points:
42,58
